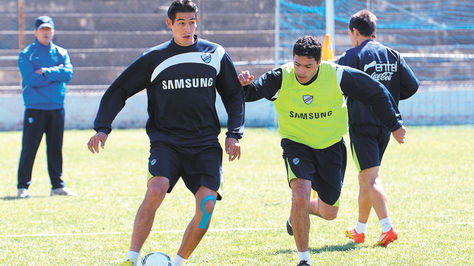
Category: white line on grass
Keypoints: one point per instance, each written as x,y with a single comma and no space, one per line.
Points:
121,233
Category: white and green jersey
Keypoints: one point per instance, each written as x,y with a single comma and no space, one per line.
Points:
315,114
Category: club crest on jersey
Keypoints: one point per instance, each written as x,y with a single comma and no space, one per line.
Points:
206,58
307,99
296,161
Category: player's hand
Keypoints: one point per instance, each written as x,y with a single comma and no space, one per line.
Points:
93,144
245,78
399,134
232,147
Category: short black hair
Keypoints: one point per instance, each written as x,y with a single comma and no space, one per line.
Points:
365,22
308,46
181,6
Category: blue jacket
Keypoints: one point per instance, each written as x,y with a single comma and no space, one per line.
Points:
44,92
385,65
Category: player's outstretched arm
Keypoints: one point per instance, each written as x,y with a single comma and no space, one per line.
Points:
93,144
232,147
399,134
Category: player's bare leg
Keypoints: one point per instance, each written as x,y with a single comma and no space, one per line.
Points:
156,192
301,193
200,222
370,183
322,209
365,204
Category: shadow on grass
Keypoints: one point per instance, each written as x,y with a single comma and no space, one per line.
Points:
332,248
6,198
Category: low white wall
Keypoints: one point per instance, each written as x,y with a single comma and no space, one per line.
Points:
424,108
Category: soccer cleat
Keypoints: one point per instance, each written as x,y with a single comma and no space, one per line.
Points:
289,228
303,263
352,234
387,238
128,262
23,193
62,191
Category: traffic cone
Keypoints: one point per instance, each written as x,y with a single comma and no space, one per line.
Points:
327,53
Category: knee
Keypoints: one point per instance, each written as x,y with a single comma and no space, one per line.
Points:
300,200
157,188
369,177
330,214
209,206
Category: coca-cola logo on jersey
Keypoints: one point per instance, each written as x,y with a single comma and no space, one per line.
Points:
381,71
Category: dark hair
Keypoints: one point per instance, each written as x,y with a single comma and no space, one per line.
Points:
308,46
181,6
365,22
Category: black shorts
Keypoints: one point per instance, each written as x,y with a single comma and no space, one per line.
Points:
368,143
325,168
198,166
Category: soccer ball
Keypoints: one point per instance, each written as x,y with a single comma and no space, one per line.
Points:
156,259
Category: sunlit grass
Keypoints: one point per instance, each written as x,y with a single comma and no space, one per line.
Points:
428,181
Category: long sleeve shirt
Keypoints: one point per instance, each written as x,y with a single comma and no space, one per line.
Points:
315,114
384,65
181,84
47,91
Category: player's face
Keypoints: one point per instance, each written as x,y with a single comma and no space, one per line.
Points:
183,28
44,35
305,68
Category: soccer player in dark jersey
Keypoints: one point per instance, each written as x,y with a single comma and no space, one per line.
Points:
181,78
308,95
369,137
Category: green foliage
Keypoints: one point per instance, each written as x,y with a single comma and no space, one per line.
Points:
428,181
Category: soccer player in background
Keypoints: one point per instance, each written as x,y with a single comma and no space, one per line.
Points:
369,137
45,69
308,95
181,77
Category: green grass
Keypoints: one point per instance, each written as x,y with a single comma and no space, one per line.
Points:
428,180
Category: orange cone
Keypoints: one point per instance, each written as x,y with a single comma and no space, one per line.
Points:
327,53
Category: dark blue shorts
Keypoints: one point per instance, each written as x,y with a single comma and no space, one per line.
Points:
198,166
368,143
325,168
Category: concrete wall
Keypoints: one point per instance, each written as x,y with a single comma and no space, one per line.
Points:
424,108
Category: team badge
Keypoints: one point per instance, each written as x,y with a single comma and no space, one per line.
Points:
307,99
31,120
296,160
153,162
206,58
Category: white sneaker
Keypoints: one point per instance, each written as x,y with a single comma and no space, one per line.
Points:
23,193
63,191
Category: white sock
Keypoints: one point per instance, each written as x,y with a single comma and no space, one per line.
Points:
178,260
386,224
134,256
304,256
361,227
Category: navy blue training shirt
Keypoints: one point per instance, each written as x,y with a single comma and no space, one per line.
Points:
384,65
181,84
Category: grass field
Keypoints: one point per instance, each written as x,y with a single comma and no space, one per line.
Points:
429,182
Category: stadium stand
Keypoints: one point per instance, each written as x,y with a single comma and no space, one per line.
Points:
104,36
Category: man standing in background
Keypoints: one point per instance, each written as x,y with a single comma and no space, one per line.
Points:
45,69
369,137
